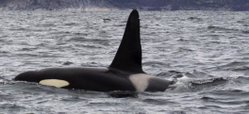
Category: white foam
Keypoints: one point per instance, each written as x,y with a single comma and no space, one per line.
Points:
54,83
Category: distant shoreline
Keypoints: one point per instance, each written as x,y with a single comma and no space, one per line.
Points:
148,5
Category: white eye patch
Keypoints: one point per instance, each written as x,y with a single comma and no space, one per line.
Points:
54,83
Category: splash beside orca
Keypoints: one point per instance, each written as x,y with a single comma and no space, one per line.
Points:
124,74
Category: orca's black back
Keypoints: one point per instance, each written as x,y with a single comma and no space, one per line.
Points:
82,78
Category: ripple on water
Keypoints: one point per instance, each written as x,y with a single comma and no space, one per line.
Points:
158,101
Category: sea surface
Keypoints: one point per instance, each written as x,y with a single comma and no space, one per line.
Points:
205,52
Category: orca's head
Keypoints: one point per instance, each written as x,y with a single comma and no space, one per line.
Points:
27,76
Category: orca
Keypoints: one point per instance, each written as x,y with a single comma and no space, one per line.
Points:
124,74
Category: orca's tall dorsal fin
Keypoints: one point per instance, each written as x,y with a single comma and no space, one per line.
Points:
129,55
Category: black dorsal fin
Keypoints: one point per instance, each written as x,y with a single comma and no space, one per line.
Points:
129,55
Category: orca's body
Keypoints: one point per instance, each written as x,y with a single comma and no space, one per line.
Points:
125,73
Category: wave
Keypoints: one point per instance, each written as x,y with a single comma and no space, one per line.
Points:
226,29
219,28
235,66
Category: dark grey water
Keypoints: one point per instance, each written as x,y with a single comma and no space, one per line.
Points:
205,51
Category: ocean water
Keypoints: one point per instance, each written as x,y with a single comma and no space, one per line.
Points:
205,52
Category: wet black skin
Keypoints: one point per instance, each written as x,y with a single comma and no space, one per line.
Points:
83,78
